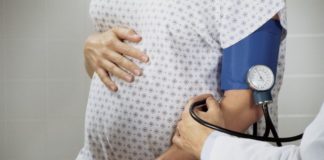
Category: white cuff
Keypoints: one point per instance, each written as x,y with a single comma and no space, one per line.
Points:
209,145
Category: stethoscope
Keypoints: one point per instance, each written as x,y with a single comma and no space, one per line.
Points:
261,79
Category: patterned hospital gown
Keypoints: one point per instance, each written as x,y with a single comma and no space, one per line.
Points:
184,40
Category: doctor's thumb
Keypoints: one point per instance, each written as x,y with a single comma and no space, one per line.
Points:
212,104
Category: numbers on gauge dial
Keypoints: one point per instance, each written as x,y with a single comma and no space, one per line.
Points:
260,78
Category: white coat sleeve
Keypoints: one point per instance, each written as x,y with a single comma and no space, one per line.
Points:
224,147
219,146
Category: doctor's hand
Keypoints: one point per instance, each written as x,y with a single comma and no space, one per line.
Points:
106,54
190,135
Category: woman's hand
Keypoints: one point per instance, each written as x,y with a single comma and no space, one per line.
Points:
190,135
105,53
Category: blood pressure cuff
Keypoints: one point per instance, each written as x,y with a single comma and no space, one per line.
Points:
260,47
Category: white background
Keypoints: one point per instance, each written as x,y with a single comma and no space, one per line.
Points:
44,87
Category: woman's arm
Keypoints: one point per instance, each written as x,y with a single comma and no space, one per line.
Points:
239,110
260,47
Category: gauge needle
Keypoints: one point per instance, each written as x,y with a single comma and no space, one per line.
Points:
260,75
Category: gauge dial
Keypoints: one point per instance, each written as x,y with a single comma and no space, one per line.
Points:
260,78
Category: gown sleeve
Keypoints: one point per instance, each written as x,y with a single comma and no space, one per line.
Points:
240,18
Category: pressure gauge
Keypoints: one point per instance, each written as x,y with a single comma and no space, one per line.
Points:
260,78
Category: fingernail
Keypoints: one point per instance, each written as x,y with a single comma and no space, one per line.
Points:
130,78
138,72
136,36
145,58
113,88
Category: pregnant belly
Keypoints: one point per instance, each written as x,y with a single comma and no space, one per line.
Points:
139,119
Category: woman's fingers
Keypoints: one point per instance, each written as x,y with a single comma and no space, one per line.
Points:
115,43
130,51
108,52
104,76
115,70
122,62
130,35
126,34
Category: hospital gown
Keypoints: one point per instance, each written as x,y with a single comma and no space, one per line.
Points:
184,40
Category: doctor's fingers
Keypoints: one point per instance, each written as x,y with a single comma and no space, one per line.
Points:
199,111
176,139
121,61
214,114
193,100
212,105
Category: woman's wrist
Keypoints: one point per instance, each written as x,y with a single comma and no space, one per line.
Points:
89,68
88,52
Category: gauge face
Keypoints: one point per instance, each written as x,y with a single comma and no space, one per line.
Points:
260,78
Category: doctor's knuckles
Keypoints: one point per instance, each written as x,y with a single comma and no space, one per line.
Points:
190,135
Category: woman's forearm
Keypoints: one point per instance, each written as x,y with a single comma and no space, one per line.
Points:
239,110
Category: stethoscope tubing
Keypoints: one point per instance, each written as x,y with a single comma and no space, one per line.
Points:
202,103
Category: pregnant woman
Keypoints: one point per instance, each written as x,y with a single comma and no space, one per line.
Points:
149,57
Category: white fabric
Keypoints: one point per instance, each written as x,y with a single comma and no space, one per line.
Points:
184,40
220,146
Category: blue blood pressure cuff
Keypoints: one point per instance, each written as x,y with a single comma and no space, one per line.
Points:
260,47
